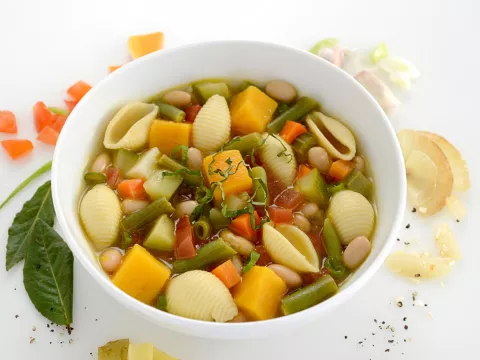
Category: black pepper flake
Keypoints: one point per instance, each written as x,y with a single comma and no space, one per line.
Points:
346,336
52,330
96,319
375,320
399,303
387,350
425,305
404,340
390,341
38,266
414,210
48,325
406,243
458,221
383,322
50,343
408,226
15,289
406,327
417,275
405,319
360,342
16,316
373,334
398,239
51,309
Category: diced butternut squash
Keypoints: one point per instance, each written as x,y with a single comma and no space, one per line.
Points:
259,294
141,275
237,182
140,45
166,135
251,111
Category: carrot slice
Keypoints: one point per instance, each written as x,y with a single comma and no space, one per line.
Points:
17,148
280,215
184,246
241,226
291,130
303,170
132,189
48,136
340,169
112,68
59,122
42,116
8,122
78,90
227,273
140,45
70,104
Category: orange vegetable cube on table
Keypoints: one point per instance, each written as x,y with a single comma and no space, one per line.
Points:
78,90
239,180
42,116
8,122
17,148
140,45
141,275
166,135
48,136
251,111
258,295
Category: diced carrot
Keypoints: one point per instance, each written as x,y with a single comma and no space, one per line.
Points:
113,175
112,68
8,122
192,112
70,104
340,169
291,130
140,45
303,170
184,247
289,199
241,226
17,148
280,215
48,136
78,90
42,116
227,273
132,189
59,122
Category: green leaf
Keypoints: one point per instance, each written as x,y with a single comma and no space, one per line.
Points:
323,44
40,206
380,52
48,274
27,181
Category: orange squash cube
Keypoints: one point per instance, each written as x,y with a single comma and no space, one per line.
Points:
166,135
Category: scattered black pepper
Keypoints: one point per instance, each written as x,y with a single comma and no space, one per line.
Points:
96,319
48,325
406,327
408,226
417,275
16,316
50,343
373,334
387,350
15,289
404,340
390,341
425,305
383,322
375,320
458,220
52,330
399,303
406,243
405,319
414,210
398,239
346,336
360,342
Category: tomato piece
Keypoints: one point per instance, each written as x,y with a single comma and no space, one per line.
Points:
78,90
59,122
184,247
280,215
289,199
42,116
17,148
8,122
70,104
113,176
192,112
264,259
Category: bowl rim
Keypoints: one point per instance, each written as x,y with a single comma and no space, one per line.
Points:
266,327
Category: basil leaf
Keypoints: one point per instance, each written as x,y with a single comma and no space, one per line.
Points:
48,274
40,206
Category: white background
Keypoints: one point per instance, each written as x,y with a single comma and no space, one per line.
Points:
47,45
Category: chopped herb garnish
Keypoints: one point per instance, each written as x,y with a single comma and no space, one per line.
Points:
251,261
408,226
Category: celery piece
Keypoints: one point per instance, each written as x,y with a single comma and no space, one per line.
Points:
301,145
58,111
325,43
205,90
313,187
162,235
148,214
358,182
380,52
124,160
191,177
334,188
158,185
217,219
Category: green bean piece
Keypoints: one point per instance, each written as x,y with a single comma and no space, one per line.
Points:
193,178
251,261
214,252
95,178
301,145
331,241
202,228
170,112
313,187
309,296
205,90
334,188
336,267
358,182
245,144
126,241
301,108
217,219
260,189
58,111
281,108
148,214
162,302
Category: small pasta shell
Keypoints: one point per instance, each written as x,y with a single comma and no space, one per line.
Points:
446,243
415,265
130,126
352,215
211,128
100,214
332,135
295,252
200,295
278,157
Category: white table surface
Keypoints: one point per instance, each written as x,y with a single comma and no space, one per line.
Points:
47,45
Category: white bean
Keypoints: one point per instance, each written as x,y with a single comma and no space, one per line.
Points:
310,210
185,208
302,222
290,277
178,98
101,163
238,243
111,259
281,91
194,159
359,163
129,206
319,158
356,252
237,262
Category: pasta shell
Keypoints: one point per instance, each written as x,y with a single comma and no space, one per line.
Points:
352,215
446,243
100,214
145,165
200,295
130,126
332,135
278,157
289,246
415,265
211,128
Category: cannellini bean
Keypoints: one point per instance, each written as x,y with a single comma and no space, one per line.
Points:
194,159
302,222
237,262
101,163
185,208
310,210
359,163
239,318
178,98
290,277
281,91
238,243
319,158
129,206
111,260
356,252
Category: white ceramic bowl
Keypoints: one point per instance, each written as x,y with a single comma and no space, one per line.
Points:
336,91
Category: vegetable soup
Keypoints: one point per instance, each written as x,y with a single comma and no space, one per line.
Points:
228,201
